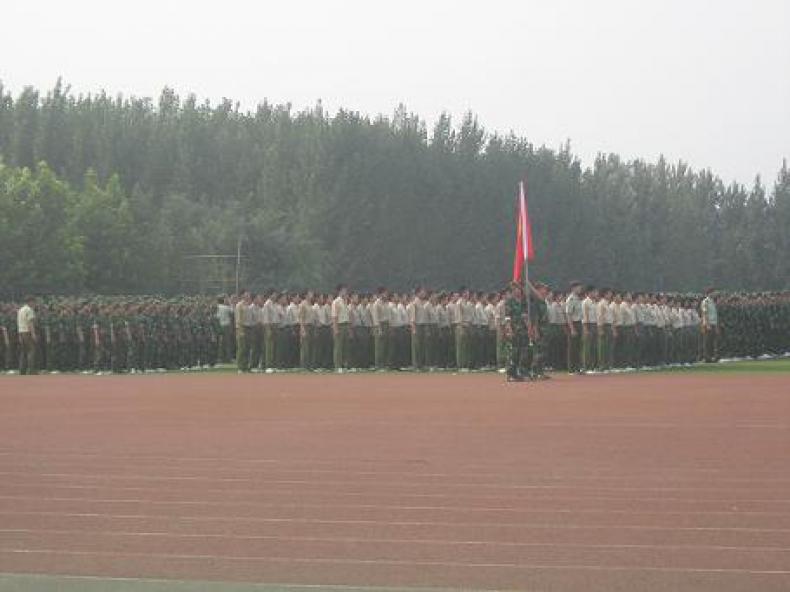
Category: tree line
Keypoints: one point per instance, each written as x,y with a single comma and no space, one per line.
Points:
114,194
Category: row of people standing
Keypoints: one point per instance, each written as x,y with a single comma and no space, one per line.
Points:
129,334
586,329
357,331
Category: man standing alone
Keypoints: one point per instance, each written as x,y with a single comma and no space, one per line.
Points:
28,339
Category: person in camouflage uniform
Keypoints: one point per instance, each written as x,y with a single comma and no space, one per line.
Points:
538,330
517,333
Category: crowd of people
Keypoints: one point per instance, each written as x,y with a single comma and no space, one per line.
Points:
587,329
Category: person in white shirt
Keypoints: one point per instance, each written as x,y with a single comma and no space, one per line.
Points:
709,316
573,316
255,334
278,323
323,327
268,320
225,322
628,332
589,328
500,313
306,317
380,314
395,342
291,331
432,331
418,326
604,318
340,328
446,341
365,337
245,325
491,333
28,336
615,312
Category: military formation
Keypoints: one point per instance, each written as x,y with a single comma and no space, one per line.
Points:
523,331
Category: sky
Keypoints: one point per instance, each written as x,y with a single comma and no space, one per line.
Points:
704,81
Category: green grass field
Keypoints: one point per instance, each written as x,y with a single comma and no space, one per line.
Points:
746,366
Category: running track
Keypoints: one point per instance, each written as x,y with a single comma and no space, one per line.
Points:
641,482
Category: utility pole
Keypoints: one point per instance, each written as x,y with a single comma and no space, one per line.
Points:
238,262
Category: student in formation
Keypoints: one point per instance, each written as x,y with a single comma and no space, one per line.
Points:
307,330
380,315
574,317
589,329
244,327
340,328
710,326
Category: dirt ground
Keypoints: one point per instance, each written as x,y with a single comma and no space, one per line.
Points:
597,483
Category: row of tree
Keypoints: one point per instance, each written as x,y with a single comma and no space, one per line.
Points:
133,188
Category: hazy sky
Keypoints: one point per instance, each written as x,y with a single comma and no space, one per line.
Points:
705,81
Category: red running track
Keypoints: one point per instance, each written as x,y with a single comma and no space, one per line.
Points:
640,482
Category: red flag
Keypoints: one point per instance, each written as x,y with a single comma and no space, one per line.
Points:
524,248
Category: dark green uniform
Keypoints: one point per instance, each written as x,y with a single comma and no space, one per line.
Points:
518,338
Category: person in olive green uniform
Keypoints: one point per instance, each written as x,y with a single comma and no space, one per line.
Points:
516,330
538,325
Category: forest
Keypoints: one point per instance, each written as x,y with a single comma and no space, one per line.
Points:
106,194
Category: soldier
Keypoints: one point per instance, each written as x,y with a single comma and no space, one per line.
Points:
538,323
516,329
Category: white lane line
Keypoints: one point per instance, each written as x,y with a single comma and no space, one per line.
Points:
290,494
254,504
476,468
352,540
389,562
21,579
362,484
393,523
550,476
368,423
